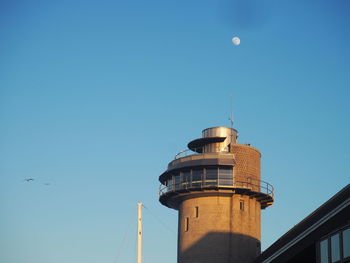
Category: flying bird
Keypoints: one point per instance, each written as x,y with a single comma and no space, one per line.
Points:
29,179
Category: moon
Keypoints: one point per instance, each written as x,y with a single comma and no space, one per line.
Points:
236,41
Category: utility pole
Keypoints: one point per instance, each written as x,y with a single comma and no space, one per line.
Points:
139,232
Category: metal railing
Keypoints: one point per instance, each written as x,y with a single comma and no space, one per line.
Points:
241,182
187,152
184,156
184,153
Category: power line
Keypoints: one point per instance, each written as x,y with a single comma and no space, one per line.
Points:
159,220
125,236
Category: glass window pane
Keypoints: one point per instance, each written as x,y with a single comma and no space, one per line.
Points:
335,252
197,177
170,184
211,173
211,176
225,171
177,182
346,243
225,176
324,251
186,175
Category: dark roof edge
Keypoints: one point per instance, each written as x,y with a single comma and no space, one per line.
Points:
306,223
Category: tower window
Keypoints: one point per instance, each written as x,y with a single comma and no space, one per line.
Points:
170,184
186,179
211,176
197,177
226,176
177,182
241,205
186,223
196,212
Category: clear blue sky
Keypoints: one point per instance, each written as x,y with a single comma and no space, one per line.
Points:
96,97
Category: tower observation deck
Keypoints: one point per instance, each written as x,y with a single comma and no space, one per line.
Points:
219,195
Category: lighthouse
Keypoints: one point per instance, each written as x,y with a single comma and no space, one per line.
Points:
216,188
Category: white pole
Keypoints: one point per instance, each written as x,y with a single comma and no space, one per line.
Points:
139,233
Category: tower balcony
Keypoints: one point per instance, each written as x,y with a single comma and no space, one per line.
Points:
213,180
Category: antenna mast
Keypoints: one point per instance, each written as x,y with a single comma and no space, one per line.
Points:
139,232
231,112
231,123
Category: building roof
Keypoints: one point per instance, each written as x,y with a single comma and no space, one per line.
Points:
323,219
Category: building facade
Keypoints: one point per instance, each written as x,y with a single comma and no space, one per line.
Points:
322,237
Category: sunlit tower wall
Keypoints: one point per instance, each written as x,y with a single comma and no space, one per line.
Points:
215,185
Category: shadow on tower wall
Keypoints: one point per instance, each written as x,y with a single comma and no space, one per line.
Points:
221,247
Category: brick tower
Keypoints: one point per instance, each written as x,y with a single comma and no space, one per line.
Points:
219,195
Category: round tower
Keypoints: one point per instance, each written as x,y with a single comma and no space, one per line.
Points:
219,195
